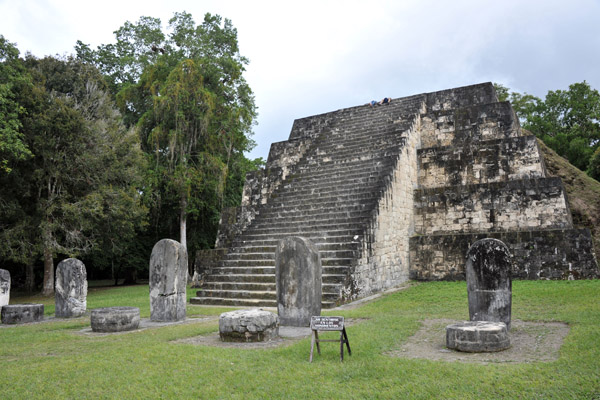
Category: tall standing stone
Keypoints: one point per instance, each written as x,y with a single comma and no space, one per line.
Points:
298,275
168,279
489,284
70,291
4,287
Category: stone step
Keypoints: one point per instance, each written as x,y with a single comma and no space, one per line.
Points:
227,268
340,199
232,302
216,301
343,177
325,262
325,207
266,278
325,255
318,240
326,182
264,235
257,286
305,229
276,224
315,213
252,294
271,247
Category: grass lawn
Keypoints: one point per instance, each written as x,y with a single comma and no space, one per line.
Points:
51,360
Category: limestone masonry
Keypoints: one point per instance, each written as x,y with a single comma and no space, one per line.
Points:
396,192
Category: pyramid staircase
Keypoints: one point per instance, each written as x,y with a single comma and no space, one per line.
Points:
327,197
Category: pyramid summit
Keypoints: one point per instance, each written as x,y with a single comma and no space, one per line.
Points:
397,191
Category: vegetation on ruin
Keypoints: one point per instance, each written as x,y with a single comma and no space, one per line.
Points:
583,192
53,360
568,121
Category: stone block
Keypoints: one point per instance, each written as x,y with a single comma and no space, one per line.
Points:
4,287
477,336
298,275
22,313
115,319
489,283
70,294
254,325
168,279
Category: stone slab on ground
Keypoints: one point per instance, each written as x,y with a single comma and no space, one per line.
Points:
477,336
254,325
22,313
530,342
115,319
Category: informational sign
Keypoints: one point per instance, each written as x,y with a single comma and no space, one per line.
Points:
327,323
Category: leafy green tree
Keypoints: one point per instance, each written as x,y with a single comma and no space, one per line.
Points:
194,112
566,120
83,174
12,75
594,165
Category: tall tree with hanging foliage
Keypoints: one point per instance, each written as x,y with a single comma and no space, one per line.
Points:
186,94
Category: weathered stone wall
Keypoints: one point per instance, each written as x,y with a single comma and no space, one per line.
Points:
461,97
491,161
516,205
207,260
451,127
384,260
548,254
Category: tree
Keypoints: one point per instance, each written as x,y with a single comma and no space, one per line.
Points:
568,121
84,171
193,110
12,75
594,165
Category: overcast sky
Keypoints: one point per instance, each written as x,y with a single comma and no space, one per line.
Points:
310,57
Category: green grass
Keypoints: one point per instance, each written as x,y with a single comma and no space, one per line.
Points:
51,360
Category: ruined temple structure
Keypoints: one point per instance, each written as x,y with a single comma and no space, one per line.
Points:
395,192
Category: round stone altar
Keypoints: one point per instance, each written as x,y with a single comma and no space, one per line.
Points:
477,336
22,313
254,325
115,319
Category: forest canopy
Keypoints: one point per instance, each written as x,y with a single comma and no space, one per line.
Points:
110,149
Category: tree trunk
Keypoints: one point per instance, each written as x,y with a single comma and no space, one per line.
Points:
183,222
48,287
29,278
115,274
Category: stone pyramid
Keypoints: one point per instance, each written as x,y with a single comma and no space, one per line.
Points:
395,192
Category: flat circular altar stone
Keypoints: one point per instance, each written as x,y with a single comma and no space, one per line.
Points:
115,319
254,325
22,313
477,336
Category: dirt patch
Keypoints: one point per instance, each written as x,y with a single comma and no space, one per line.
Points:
530,342
214,341
145,323
287,336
